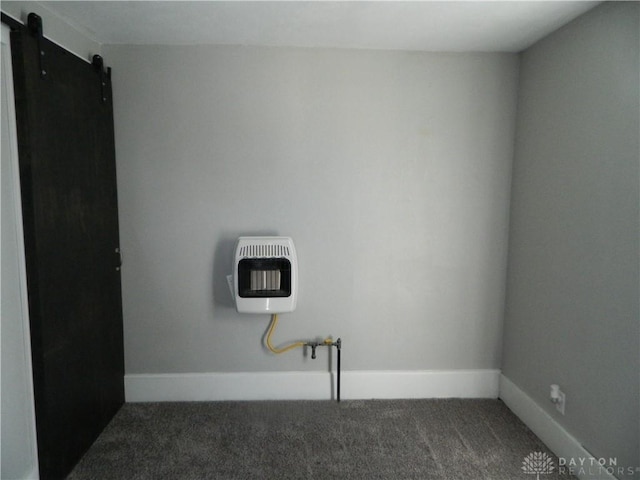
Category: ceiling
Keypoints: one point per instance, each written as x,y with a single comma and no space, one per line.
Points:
507,26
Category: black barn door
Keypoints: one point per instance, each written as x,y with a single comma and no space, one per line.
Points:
68,180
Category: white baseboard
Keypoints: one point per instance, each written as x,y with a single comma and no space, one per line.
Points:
355,385
359,385
188,387
558,440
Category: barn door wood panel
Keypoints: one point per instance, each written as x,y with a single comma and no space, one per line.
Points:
68,179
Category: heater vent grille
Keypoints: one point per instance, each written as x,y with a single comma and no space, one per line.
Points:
258,251
265,275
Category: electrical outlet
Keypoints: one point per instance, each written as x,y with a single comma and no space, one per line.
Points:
561,401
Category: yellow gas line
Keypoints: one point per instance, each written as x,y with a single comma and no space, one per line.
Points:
274,321
272,327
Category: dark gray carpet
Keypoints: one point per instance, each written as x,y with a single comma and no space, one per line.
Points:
374,439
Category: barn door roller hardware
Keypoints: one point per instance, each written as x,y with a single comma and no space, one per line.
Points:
34,24
105,75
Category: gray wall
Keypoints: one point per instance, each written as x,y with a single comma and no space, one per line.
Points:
390,170
572,314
